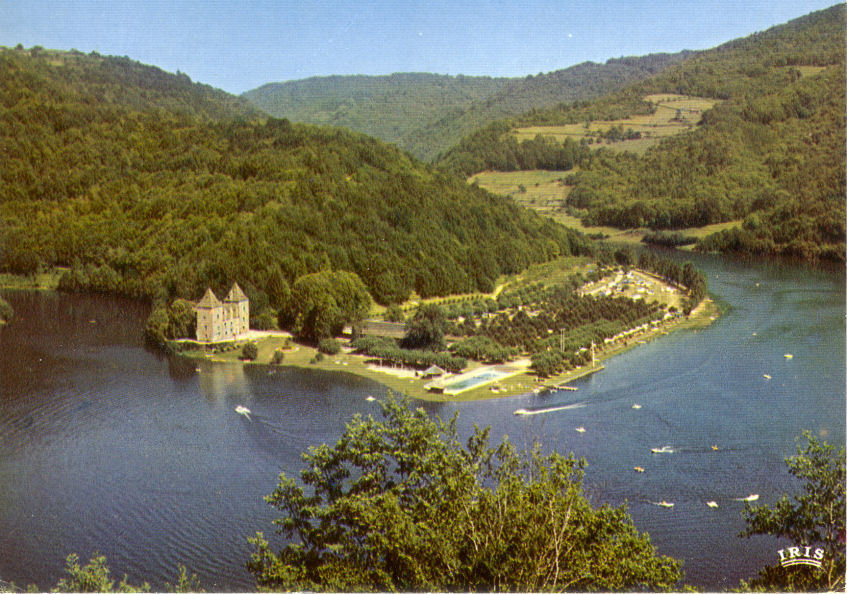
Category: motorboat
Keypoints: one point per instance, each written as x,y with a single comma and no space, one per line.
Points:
766,376
662,450
712,503
638,469
662,503
243,410
751,497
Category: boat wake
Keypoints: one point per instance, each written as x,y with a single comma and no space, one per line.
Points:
539,411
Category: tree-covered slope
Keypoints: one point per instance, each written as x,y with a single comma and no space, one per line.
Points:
387,107
581,82
426,113
149,186
771,151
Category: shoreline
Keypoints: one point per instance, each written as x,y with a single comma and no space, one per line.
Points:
411,384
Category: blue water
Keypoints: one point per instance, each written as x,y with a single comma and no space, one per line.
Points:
107,447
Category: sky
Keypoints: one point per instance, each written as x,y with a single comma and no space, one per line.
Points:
240,45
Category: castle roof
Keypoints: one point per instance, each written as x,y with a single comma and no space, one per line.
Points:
208,301
236,294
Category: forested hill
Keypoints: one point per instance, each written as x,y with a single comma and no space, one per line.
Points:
387,107
770,152
427,113
149,186
72,78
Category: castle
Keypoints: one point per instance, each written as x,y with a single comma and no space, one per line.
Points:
227,320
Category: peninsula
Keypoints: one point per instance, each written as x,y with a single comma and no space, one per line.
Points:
538,330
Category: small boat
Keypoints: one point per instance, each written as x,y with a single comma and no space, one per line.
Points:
638,469
766,376
636,406
662,450
243,410
370,398
788,356
712,503
580,429
662,503
715,448
521,411
751,497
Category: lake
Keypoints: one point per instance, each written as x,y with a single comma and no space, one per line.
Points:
105,446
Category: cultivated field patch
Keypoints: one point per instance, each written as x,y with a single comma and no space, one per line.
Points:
674,114
545,192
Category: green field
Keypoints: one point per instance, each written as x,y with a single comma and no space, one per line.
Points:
545,192
674,114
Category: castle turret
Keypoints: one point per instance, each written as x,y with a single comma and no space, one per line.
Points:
209,310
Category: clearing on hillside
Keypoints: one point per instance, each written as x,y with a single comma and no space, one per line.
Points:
674,114
545,192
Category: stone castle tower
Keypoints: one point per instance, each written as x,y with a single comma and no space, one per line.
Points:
227,320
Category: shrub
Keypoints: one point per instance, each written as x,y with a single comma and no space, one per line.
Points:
394,314
250,351
278,357
6,311
329,346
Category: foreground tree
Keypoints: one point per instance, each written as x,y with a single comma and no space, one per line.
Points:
94,577
814,519
400,504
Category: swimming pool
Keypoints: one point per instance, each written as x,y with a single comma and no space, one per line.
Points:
466,382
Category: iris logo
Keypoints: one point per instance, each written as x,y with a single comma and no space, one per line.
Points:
800,556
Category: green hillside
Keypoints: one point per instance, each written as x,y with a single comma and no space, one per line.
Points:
770,151
387,107
426,113
148,185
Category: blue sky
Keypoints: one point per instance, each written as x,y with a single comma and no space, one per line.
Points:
237,46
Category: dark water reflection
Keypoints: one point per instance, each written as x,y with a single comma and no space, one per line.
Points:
106,447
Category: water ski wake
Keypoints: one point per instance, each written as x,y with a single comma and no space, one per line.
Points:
538,411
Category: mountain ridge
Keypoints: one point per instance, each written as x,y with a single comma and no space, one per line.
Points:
412,121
